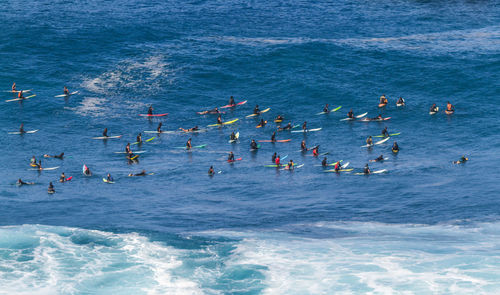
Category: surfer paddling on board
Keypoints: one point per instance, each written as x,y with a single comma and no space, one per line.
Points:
325,109
366,170
188,144
350,115
150,110
231,101
65,90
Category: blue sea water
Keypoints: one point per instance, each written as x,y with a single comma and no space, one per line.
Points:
424,227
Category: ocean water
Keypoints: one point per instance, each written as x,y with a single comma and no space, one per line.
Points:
424,227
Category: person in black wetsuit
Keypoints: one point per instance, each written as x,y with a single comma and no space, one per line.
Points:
325,109
253,145
273,137
105,132
369,141
350,114
401,101
231,101
158,129
304,126
262,123
109,178
303,146
20,182
21,129
87,171
230,157
62,178
287,127
380,158
188,144
51,189
138,139
211,171
219,119
142,173
150,110
366,170
273,159
385,133
434,108
256,110
324,162
395,147
232,136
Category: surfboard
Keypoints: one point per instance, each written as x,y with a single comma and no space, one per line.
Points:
307,130
381,105
433,113
393,134
340,170
48,168
382,141
260,126
66,95
224,123
107,137
193,147
233,105
261,112
147,140
373,172
107,181
232,161
21,99
154,115
29,132
138,152
279,140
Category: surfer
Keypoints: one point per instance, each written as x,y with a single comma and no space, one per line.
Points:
385,133
230,157
188,144
20,182
256,110
39,165
232,136
150,110
303,146
20,95
324,163
401,101
60,156
350,115
366,170
33,161
325,109
277,161
128,151
14,87
316,151
380,158
138,139
262,123
66,91
395,147
211,171
449,107
219,120
289,166
105,132
231,101
142,173
253,145
21,129
369,141
383,99
109,178
304,126
273,159
62,178
273,137
195,128
51,189
462,160
86,171
158,129
337,166
434,108
287,127
279,118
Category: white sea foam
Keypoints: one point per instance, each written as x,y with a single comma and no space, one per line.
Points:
481,40
144,76
53,260
372,258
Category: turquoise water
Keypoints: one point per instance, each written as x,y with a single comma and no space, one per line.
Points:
424,227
